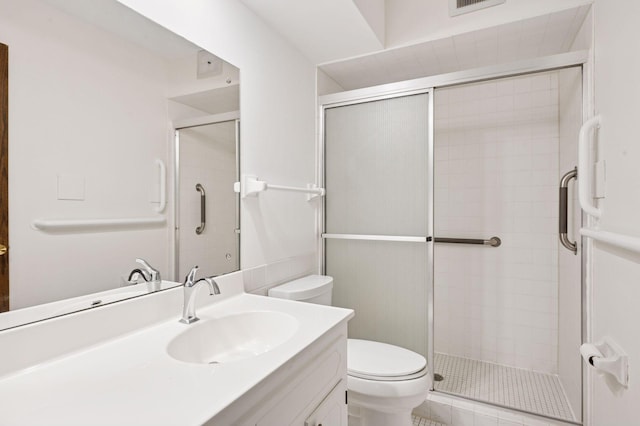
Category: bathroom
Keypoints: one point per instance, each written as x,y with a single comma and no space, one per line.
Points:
281,128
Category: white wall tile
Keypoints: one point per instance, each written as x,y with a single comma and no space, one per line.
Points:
501,154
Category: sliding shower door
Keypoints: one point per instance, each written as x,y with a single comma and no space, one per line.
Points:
378,217
508,318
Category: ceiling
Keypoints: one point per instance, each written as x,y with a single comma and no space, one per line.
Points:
323,30
129,25
529,38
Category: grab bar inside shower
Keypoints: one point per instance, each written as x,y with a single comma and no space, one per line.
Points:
493,241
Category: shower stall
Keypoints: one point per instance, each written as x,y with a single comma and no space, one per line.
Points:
441,229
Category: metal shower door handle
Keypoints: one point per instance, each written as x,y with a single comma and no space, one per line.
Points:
564,211
203,217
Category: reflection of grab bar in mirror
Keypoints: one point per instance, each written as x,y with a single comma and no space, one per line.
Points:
203,218
71,225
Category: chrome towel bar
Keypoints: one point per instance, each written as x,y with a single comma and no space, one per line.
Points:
493,241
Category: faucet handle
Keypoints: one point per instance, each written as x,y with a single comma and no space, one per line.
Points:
189,280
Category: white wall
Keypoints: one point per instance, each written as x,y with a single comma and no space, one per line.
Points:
409,21
496,173
277,101
616,290
64,123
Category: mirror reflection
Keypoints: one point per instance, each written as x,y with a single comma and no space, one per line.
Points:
207,167
96,96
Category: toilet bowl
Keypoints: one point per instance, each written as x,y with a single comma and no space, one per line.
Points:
384,382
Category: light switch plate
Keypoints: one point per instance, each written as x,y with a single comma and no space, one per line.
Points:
71,187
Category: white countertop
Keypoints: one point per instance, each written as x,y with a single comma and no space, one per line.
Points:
132,379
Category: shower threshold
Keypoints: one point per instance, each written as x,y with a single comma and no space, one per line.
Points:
516,388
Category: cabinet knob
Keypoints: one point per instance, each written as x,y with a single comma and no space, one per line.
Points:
3,249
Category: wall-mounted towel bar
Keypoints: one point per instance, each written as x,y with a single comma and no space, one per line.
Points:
250,186
68,225
493,241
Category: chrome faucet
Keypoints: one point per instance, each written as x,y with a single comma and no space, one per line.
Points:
190,287
148,274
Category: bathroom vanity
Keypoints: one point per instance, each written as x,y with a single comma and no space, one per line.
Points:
249,360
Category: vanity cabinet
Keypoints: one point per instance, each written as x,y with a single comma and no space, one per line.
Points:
300,381
333,410
309,390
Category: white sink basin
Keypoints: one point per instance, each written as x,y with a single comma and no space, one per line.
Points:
233,337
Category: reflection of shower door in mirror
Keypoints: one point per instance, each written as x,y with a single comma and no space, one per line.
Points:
207,212
377,216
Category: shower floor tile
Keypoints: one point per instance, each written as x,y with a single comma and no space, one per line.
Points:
421,421
517,388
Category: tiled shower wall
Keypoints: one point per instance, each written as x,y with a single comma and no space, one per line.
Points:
496,174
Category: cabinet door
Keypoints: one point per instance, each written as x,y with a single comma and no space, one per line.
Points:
332,411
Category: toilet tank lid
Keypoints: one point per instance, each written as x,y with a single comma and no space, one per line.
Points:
303,288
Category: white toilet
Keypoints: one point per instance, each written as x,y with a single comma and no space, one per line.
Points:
385,382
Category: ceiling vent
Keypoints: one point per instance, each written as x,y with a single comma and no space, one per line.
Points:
458,7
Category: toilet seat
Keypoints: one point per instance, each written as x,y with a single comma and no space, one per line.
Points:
383,362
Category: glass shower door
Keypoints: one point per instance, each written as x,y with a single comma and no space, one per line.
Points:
378,216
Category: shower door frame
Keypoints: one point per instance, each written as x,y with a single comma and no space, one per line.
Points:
580,59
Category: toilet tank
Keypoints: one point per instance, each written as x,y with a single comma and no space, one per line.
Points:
312,289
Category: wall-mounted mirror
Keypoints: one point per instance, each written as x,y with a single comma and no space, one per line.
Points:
96,93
